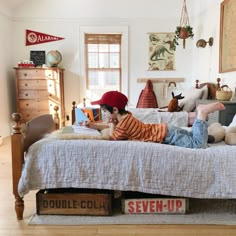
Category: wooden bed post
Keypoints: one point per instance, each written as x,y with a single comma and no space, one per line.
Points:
73,112
17,147
56,118
218,83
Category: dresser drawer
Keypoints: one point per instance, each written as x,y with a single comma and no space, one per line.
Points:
34,104
33,94
38,84
37,74
39,104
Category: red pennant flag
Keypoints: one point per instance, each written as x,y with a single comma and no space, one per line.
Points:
33,37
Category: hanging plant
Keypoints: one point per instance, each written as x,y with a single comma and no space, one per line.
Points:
184,30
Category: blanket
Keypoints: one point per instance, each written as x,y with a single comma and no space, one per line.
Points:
68,133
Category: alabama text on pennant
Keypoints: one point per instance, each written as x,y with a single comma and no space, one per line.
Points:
33,37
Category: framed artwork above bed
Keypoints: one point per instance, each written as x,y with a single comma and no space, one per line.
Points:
227,57
161,53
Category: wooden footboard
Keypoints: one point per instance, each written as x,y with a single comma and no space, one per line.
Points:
20,142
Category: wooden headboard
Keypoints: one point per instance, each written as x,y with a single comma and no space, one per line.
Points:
212,88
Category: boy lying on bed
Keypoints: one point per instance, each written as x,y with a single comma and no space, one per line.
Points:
123,126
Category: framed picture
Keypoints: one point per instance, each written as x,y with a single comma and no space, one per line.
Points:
38,57
161,53
227,53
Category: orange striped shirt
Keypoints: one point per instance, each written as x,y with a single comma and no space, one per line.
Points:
129,128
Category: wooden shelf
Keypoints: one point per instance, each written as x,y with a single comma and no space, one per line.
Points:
160,80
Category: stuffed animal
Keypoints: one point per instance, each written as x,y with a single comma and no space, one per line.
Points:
174,103
230,136
218,133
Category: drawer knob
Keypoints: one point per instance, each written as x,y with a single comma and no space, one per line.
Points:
27,104
26,84
26,94
25,74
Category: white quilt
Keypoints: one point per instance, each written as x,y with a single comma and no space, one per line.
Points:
153,116
128,165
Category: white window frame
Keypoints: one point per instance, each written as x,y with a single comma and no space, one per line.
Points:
84,93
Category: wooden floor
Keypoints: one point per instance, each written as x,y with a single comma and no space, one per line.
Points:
10,226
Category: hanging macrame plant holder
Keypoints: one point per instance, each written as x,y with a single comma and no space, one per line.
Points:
184,31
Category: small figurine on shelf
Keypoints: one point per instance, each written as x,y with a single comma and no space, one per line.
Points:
26,64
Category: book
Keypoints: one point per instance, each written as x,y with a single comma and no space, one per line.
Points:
80,116
93,114
80,129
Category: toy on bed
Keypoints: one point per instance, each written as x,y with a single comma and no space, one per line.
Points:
174,103
226,133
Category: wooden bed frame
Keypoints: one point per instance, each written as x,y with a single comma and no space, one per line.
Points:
212,88
35,129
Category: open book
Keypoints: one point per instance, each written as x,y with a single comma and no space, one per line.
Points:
80,116
85,130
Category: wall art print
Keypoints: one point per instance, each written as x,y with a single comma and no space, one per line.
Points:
161,53
227,36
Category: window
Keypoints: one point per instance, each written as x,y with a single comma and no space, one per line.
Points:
103,63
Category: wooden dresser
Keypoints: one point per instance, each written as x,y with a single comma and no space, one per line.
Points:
38,91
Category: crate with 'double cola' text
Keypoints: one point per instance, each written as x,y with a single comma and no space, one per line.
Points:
74,202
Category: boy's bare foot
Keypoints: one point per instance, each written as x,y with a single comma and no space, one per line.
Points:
204,109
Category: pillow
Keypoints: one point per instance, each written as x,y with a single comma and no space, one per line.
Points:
190,98
204,92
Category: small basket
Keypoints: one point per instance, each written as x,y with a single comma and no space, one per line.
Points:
224,93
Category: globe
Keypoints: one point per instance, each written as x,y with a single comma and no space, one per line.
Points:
53,58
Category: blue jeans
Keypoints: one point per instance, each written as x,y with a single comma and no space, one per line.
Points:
197,138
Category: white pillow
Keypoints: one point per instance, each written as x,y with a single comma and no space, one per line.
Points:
204,92
190,97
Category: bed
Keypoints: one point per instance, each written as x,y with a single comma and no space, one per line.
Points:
46,162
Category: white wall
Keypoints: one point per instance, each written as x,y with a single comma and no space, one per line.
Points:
64,19
7,86
140,17
206,61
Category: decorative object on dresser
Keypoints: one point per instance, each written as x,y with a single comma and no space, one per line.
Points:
38,91
53,58
37,57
